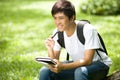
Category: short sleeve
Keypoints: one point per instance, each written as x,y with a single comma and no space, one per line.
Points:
91,37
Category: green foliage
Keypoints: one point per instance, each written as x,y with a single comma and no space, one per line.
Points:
101,7
24,26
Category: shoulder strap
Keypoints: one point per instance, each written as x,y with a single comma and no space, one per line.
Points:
80,26
103,45
61,39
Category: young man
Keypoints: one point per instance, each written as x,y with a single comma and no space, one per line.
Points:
87,64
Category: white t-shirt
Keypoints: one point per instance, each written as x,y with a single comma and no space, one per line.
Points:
76,49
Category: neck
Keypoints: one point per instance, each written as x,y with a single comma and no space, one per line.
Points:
71,29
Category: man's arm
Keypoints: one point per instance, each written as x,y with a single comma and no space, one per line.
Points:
54,54
87,60
51,53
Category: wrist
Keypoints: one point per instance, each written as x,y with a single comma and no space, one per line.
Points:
63,66
51,53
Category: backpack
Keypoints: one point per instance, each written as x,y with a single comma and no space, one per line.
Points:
81,38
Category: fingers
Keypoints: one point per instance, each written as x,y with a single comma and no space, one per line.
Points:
49,40
56,62
55,68
49,43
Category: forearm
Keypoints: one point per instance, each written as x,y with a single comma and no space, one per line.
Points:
51,53
75,64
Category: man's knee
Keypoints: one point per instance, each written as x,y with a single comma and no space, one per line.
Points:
44,71
81,73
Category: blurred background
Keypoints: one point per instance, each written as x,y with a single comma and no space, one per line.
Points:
25,24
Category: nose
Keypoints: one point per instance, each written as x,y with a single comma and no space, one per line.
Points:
57,21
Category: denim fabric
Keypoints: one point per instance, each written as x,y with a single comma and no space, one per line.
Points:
95,71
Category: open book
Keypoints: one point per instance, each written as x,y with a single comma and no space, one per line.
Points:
45,61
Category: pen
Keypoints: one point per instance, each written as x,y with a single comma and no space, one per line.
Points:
54,35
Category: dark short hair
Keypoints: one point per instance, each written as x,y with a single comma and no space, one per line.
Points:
64,6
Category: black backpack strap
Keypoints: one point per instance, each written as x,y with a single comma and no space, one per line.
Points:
80,26
103,45
61,39
61,42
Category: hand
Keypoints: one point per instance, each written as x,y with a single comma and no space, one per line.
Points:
49,43
56,68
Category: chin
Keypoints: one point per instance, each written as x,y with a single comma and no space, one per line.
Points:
60,30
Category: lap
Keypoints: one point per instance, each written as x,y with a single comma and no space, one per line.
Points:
95,71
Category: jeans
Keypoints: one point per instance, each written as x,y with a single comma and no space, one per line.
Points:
95,71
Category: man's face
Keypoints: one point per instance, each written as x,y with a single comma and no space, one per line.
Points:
61,21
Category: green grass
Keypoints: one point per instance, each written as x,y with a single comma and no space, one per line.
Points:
24,25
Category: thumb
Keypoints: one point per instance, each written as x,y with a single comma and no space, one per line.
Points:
56,62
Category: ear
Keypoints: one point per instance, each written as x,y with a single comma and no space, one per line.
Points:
72,18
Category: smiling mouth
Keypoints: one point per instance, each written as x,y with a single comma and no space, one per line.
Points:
59,27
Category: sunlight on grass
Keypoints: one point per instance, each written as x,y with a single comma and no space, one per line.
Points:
38,6
24,41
